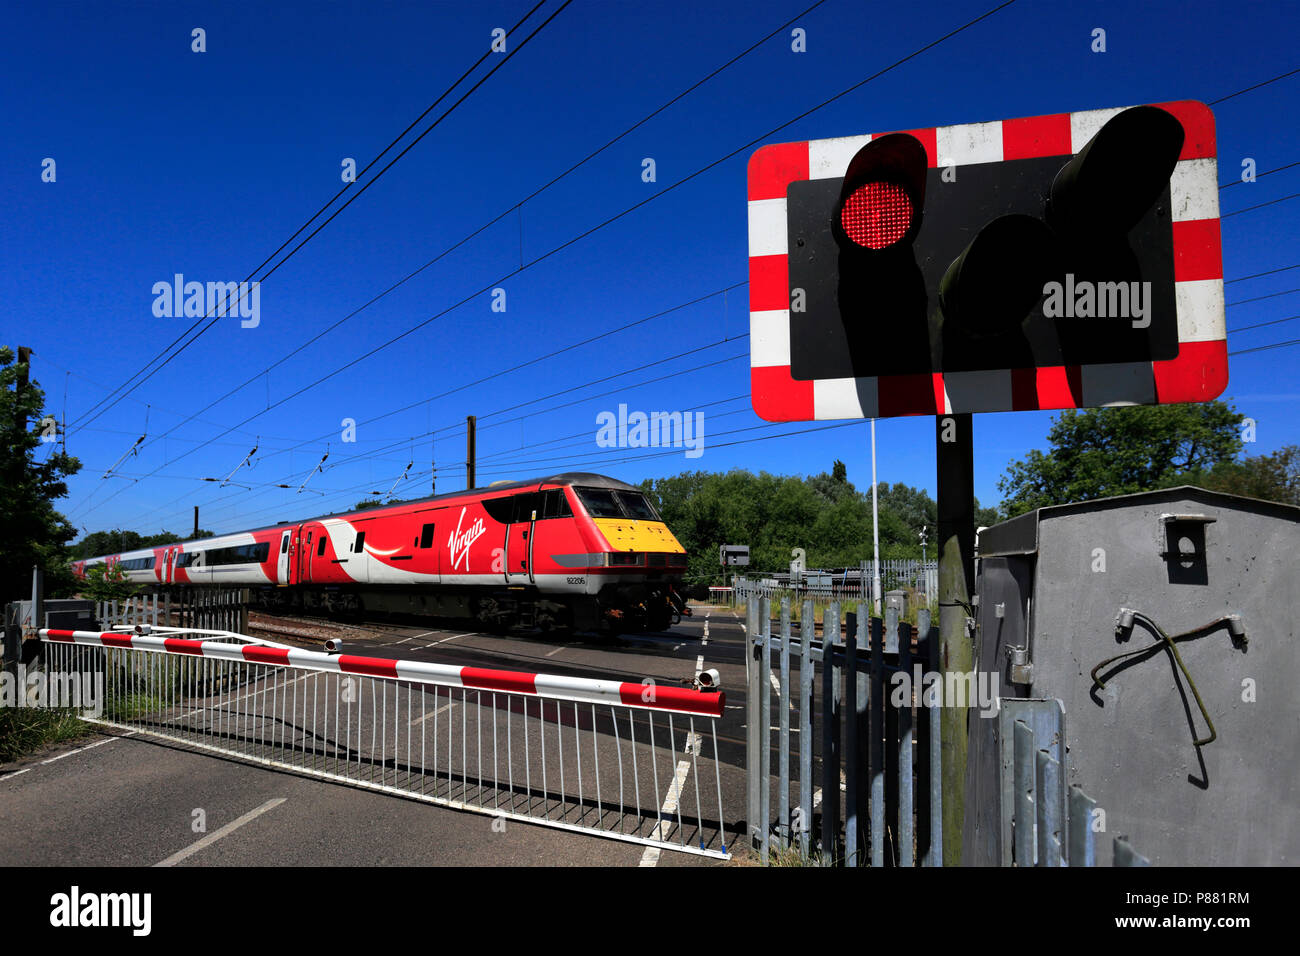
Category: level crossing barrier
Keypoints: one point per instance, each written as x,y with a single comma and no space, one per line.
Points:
631,761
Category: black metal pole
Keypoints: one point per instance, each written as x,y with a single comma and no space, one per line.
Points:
469,451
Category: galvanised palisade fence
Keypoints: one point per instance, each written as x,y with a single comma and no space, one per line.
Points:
213,609
594,756
858,774
855,769
848,587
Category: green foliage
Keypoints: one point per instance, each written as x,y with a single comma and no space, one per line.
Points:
1273,477
27,729
824,514
368,503
34,533
100,543
1100,452
107,583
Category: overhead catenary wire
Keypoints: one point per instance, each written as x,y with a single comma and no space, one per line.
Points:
516,207
402,441
663,192
149,374
824,103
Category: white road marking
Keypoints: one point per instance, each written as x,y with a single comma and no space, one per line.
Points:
395,643
88,747
220,702
15,773
776,684
699,664
420,720
451,638
228,829
651,855
554,652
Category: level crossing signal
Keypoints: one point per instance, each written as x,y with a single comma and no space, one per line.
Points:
1062,261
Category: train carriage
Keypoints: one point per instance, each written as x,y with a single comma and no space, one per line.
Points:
575,550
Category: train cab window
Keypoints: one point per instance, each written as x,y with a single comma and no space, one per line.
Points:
525,505
426,536
637,506
284,543
599,502
555,505
361,542
320,550
499,510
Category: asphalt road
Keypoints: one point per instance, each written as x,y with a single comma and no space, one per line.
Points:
139,801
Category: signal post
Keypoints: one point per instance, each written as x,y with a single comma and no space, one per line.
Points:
1064,261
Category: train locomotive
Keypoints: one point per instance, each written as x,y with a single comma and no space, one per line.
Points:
575,551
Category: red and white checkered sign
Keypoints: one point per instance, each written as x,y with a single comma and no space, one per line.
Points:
1198,374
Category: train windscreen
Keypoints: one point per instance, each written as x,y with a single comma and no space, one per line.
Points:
605,503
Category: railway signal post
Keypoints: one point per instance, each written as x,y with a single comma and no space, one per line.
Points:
1064,261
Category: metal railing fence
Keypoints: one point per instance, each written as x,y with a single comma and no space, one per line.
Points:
876,759
1044,821
857,745
222,609
587,755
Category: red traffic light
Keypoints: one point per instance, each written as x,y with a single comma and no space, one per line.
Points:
877,215
883,193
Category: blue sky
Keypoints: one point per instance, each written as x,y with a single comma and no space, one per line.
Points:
170,161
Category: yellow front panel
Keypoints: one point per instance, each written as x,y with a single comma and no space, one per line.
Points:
625,534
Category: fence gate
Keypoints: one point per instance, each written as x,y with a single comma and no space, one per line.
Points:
865,749
857,749
210,609
594,756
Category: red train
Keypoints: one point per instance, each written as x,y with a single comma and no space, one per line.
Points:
576,550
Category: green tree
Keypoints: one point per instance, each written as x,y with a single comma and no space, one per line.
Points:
824,514
34,533
107,583
98,544
1100,452
1272,477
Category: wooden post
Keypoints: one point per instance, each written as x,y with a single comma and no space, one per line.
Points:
955,460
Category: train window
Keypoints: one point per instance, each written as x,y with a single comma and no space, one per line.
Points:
636,505
240,554
499,510
426,536
321,550
525,505
599,502
284,543
361,542
555,504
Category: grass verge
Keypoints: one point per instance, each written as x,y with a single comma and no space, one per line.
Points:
24,730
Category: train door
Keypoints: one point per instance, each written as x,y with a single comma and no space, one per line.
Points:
306,545
282,567
519,540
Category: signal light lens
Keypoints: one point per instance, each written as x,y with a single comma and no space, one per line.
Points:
877,215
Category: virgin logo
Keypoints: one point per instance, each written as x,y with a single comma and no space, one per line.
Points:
460,541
